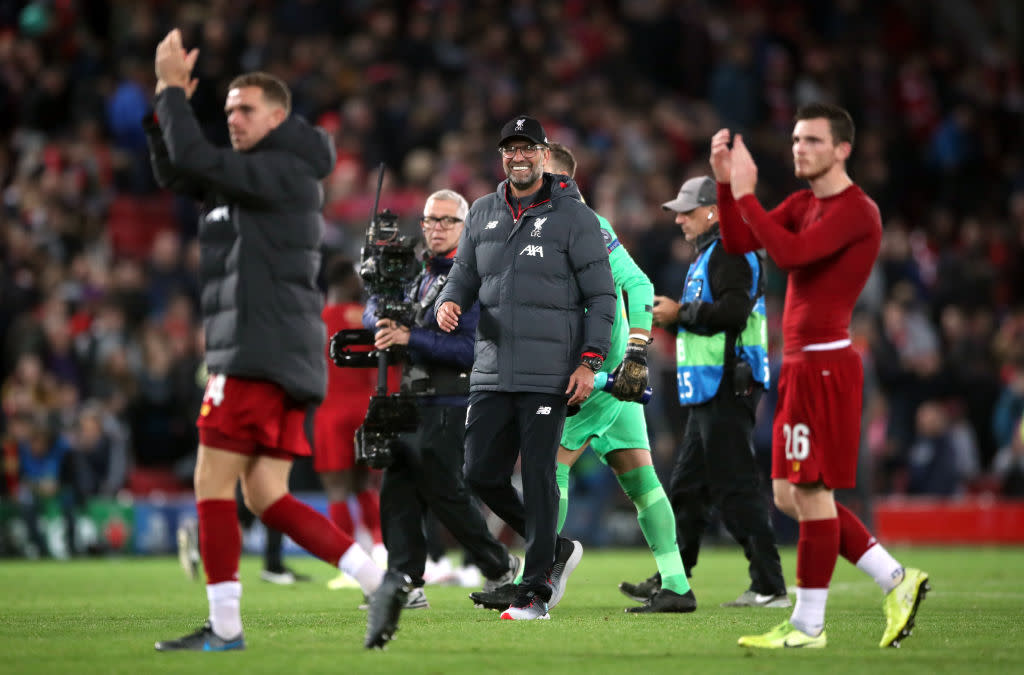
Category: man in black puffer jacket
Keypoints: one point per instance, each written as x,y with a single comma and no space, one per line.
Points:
259,239
533,255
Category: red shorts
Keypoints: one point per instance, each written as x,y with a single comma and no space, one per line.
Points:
334,437
252,417
816,432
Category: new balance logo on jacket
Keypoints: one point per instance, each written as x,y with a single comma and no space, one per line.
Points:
218,214
544,410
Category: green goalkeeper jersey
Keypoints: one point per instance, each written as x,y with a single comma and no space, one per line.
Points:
631,282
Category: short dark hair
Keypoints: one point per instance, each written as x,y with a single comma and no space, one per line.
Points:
563,157
838,119
274,89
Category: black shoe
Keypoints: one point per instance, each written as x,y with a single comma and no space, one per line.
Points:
667,601
499,599
643,591
203,640
385,606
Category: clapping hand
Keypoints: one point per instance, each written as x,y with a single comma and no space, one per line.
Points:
744,171
173,64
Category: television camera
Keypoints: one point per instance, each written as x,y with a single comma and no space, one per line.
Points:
388,264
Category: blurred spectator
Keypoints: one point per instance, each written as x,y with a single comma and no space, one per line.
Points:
943,457
99,454
40,458
1008,466
1010,406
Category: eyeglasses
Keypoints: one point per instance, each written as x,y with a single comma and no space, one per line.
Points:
444,222
509,151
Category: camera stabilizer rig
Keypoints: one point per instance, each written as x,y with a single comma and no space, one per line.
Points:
388,264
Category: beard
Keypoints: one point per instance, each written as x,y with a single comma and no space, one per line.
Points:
814,173
524,183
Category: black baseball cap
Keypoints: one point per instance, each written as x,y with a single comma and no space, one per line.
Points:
699,191
523,127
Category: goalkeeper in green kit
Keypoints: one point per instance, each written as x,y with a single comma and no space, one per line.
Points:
612,424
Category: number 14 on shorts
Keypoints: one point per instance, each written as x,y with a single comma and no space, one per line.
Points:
798,443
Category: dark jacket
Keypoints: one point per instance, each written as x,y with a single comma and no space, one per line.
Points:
443,355
544,285
259,234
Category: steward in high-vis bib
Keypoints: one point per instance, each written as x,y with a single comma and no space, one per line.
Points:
722,370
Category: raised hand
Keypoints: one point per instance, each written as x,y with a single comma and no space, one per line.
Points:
721,158
173,64
744,171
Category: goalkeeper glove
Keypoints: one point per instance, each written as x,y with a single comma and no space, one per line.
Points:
631,375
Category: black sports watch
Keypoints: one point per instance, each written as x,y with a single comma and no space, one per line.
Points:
592,360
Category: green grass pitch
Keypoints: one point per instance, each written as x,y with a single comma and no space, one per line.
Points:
102,616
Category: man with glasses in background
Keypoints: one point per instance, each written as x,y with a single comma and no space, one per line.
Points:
533,255
427,469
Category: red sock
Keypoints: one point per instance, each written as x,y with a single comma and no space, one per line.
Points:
817,552
220,539
342,517
854,538
369,504
308,528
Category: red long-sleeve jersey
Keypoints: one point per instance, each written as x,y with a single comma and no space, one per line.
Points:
828,246
346,386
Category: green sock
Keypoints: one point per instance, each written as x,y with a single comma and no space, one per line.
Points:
654,514
562,480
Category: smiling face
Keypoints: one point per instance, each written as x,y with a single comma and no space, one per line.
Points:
250,116
524,173
815,152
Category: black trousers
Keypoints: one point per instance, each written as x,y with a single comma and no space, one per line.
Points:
427,476
502,426
716,466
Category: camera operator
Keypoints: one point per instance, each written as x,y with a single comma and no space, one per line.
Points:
427,469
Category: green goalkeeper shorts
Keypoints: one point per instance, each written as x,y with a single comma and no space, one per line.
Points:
611,424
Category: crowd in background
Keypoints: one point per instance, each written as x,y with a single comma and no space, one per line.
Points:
101,349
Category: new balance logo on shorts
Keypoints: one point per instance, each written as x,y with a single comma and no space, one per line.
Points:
544,410
533,250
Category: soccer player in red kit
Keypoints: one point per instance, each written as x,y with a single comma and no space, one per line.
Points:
827,238
338,417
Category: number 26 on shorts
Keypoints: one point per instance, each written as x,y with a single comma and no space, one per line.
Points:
798,441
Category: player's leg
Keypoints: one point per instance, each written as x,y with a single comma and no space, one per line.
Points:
368,498
265,484
904,588
220,545
566,459
333,461
625,447
802,435
635,472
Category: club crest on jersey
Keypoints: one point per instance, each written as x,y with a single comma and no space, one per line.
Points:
536,227
533,250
